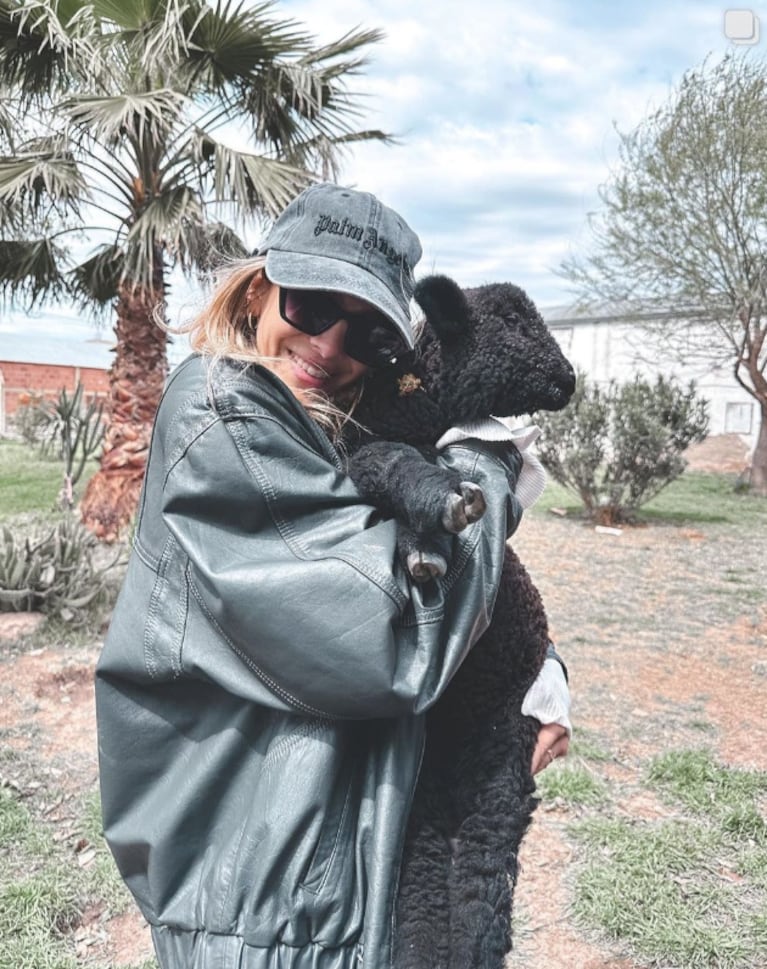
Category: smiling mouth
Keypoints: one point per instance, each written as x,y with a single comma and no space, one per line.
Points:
312,371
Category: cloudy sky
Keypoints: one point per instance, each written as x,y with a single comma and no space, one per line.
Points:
506,112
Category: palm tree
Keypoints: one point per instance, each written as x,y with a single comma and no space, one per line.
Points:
153,129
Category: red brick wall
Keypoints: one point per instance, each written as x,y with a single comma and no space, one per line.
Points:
20,379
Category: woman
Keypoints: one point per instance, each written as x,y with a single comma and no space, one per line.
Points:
262,689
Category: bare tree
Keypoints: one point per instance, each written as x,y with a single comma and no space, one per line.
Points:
683,224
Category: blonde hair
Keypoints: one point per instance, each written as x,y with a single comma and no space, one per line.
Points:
225,330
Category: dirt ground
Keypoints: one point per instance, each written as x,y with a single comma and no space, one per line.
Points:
652,654
655,657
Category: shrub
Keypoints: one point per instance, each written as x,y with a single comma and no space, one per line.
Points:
50,569
31,418
617,446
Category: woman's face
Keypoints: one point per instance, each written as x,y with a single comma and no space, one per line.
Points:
302,361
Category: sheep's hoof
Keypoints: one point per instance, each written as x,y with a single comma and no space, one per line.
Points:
475,501
461,510
426,565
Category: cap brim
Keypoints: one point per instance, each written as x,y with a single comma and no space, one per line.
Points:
301,271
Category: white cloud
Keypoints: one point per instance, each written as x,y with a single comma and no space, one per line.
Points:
506,113
508,116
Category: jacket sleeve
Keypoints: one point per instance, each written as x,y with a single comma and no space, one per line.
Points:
301,579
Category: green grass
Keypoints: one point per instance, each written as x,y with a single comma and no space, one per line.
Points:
689,892
43,889
39,900
29,482
726,795
699,497
694,498
670,892
572,783
587,745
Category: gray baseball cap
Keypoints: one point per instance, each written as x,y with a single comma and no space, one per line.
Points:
345,241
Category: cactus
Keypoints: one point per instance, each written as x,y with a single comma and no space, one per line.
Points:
51,569
75,432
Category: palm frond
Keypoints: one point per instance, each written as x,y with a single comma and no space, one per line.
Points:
213,246
134,15
40,43
296,100
31,271
151,37
162,227
234,39
110,119
34,183
321,153
95,281
334,57
8,131
255,181
161,218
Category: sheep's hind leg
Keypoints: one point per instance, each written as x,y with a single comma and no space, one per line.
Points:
480,909
422,924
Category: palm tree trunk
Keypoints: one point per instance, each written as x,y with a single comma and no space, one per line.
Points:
136,381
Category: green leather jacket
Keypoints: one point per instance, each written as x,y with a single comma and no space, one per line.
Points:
262,689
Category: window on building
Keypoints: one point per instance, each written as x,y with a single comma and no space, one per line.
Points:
738,418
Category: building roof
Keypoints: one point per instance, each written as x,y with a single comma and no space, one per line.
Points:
647,311
55,337
62,339
54,349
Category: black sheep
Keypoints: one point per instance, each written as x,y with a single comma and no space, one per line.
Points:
485,352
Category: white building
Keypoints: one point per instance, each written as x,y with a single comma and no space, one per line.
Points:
607,345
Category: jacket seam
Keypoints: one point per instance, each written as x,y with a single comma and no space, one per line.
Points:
176,629
273,686
286,744
230,409
150,626
151,561
183,448
287,530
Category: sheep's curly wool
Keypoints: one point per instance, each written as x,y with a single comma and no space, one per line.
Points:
483,351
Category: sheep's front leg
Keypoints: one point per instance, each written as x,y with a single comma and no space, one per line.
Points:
424,498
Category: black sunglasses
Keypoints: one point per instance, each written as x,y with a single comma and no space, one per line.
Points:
370,338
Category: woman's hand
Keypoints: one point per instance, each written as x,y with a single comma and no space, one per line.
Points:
553,741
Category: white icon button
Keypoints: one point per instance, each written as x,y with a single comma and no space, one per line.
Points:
741,26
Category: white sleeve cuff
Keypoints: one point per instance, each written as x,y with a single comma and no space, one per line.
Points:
548,699
532,479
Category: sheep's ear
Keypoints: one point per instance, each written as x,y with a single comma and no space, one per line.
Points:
444,303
